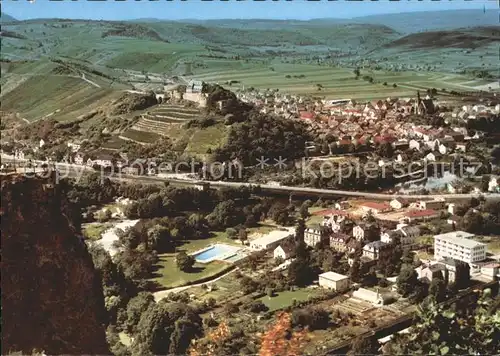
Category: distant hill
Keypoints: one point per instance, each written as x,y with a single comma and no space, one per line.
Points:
411,22
407,22
6,18
468,38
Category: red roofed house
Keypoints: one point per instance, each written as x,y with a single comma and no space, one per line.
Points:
421,215
375,208
307,115
384,138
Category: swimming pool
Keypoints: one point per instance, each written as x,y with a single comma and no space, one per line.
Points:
215,252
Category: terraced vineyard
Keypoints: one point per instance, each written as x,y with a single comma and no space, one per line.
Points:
140,136
160,119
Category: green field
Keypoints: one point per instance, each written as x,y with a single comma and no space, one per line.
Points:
285,299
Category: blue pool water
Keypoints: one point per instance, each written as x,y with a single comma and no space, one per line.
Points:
216,252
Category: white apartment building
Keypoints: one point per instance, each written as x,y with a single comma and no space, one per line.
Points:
459,246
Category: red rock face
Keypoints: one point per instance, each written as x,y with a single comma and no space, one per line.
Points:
52,298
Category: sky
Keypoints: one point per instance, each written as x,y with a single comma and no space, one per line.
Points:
197,9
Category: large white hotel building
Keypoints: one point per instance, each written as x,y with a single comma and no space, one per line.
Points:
459,246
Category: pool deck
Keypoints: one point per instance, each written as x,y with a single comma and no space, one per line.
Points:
225,256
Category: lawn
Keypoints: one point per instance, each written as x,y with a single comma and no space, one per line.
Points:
285,299
169,276
261,229
314,220
94,231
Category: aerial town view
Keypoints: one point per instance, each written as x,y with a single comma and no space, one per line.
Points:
275,178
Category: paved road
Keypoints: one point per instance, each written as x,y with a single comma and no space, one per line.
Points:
71,170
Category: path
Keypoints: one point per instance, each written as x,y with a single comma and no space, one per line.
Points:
89,81
164,293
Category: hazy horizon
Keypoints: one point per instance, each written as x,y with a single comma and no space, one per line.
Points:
219,10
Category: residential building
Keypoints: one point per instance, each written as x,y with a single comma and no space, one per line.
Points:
285,250
390,236
491,270
75,147
130,170
335,281
428,273
376,250
79,158
493,185
365,232
313,236
415,145
203,186
459,246
433,156
339,241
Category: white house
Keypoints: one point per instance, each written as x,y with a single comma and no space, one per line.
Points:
335,281
41,143
75,147
493,184
284,251
79,157
433,156
415,145
313,236
443,149
375,250
19,154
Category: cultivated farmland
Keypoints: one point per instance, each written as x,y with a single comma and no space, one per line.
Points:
333,82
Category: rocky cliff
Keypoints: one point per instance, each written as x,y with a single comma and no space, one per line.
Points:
52,298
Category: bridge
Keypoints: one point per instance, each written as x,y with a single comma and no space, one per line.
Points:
77,171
